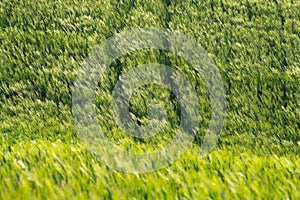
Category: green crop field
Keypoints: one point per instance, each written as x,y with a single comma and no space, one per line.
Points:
255,44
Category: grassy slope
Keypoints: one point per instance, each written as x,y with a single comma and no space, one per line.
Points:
255,45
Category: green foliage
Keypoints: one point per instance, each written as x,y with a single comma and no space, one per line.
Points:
59,170
255,45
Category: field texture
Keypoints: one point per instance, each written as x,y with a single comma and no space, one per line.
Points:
256,47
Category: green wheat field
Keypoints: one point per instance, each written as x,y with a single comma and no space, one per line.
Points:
255,44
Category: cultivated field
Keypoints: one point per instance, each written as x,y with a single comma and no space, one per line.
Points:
255,44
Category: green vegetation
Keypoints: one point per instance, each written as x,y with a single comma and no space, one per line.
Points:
256,46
